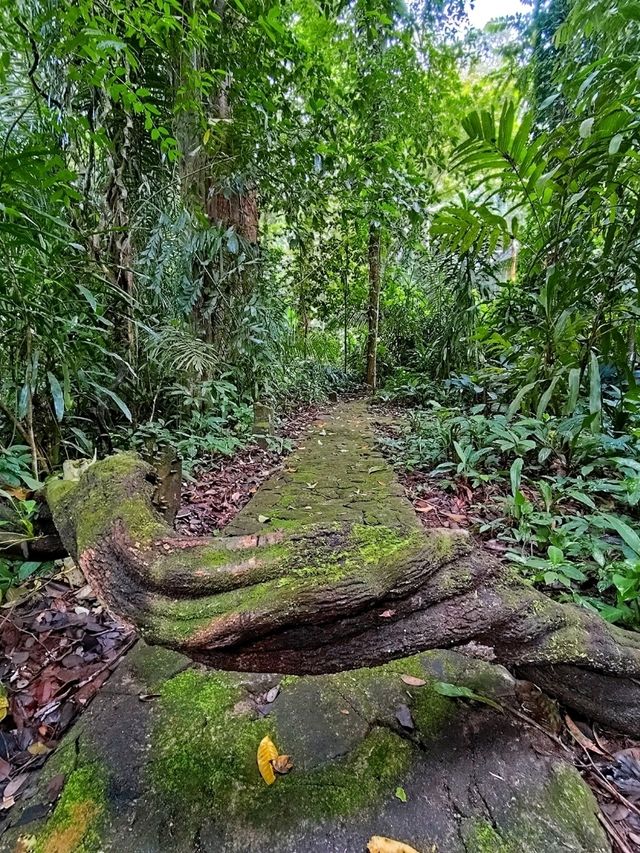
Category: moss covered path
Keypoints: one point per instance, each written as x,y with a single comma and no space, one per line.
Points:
336,477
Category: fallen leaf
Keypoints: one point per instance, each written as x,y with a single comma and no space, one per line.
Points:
633,752
282,764
266,753
4,702
401,794
403,716
14,785
387,614
272,694
581,739
412,681
38,748
17,492
454,516
55,786
380,844
311,485
5,769
263,519
344,711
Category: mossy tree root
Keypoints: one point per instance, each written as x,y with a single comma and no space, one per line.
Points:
318,601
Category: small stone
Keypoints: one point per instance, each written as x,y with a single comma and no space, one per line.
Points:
403,716
272,694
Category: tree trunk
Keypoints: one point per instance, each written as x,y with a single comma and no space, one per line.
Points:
214,189
373,311
345,295
266,602
119,256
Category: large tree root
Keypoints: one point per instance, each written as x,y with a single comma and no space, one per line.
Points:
324,600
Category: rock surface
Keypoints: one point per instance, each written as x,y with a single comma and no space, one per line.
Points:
164,761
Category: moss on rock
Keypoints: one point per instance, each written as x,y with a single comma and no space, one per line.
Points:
74,826
565,808
483,838
205,760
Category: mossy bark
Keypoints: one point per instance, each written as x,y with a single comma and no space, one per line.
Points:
315,598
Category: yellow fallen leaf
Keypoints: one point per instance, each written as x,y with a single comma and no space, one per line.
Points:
266,753
38,748
380,844
4,702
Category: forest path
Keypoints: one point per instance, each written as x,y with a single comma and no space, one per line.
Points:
336,476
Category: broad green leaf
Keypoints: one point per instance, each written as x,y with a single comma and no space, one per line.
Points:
515,475
517,401
616,142
595,393
581,497
116,399
27,569
456,692
556,555
586,128
626,533
573,383
88,296
58,396
546,397
23,401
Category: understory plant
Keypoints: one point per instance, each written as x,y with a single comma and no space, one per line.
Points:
557,498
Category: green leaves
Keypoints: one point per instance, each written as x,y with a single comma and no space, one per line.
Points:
624,531
595,393
616,142
57,395
586,128
515,475
455,691
107,392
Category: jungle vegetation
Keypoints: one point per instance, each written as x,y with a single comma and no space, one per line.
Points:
203,205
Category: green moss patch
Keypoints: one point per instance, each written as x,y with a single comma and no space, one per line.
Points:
204,760
564,808
483,838
111,489
75,824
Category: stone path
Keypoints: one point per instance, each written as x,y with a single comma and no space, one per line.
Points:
336,476
164,761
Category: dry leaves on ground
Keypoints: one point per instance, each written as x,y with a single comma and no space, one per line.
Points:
220,487
58,647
